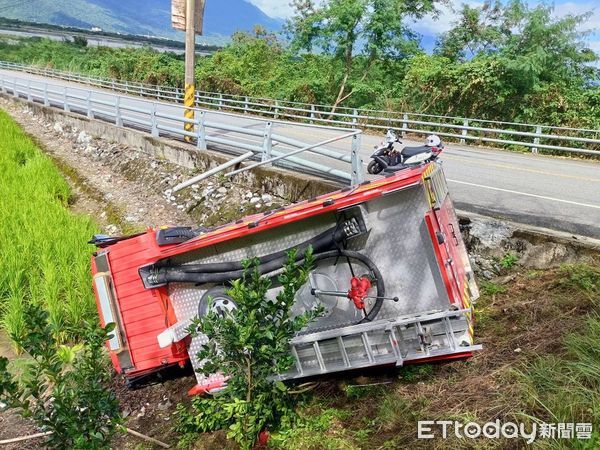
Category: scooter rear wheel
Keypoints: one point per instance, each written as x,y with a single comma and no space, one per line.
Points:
374,168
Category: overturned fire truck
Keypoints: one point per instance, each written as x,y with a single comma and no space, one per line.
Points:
391,271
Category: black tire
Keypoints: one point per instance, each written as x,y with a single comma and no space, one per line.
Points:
213,295
374,168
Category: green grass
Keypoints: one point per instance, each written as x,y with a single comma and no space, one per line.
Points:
44,254
565,387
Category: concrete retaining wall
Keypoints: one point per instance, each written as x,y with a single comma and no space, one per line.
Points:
281,182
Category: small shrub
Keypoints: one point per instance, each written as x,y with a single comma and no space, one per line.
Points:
80,41
251,345
64,389
509,260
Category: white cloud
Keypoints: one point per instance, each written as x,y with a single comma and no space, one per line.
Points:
593,23
274,8
432,25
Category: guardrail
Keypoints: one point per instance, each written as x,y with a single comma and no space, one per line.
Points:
163,119
534,137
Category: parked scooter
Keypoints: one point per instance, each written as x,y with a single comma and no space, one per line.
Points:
381,155
387,158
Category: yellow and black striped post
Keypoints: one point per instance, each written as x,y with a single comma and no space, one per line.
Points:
189,103
190,66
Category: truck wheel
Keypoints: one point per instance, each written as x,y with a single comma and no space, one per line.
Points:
216,300
374,168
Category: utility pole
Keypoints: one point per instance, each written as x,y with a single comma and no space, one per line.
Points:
190,65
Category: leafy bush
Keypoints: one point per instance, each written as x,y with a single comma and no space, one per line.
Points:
251,345
64,389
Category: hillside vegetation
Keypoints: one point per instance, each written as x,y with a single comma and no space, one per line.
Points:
508,63
143,17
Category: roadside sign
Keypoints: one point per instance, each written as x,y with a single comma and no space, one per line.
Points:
178,14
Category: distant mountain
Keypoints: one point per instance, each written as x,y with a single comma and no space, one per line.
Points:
144,17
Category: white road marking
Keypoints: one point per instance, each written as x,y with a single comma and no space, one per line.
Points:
526,194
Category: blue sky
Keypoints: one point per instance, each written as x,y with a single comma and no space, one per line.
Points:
429,27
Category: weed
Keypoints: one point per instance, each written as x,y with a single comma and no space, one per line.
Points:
581,276
355,392
509,260
316,431
567,389
491,289
412,374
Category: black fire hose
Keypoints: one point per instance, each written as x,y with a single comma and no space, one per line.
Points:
319,243
181,275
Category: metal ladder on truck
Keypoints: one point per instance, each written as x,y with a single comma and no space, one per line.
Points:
384,342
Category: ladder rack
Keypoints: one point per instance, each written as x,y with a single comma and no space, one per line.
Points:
382,342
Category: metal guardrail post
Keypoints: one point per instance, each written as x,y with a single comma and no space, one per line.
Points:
220,101
126,87
536,141
276,110
66,100
29,96
15,90
88,103
358,174
354,118
404,124
46,98
118,117
267,142
464,132
154,121
246,105
312,113
201,141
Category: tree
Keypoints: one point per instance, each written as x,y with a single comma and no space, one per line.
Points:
250,344
64,388
356,34
511,62
531,41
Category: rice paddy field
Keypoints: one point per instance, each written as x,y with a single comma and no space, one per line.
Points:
44,255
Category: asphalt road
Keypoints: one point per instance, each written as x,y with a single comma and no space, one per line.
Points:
557,193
